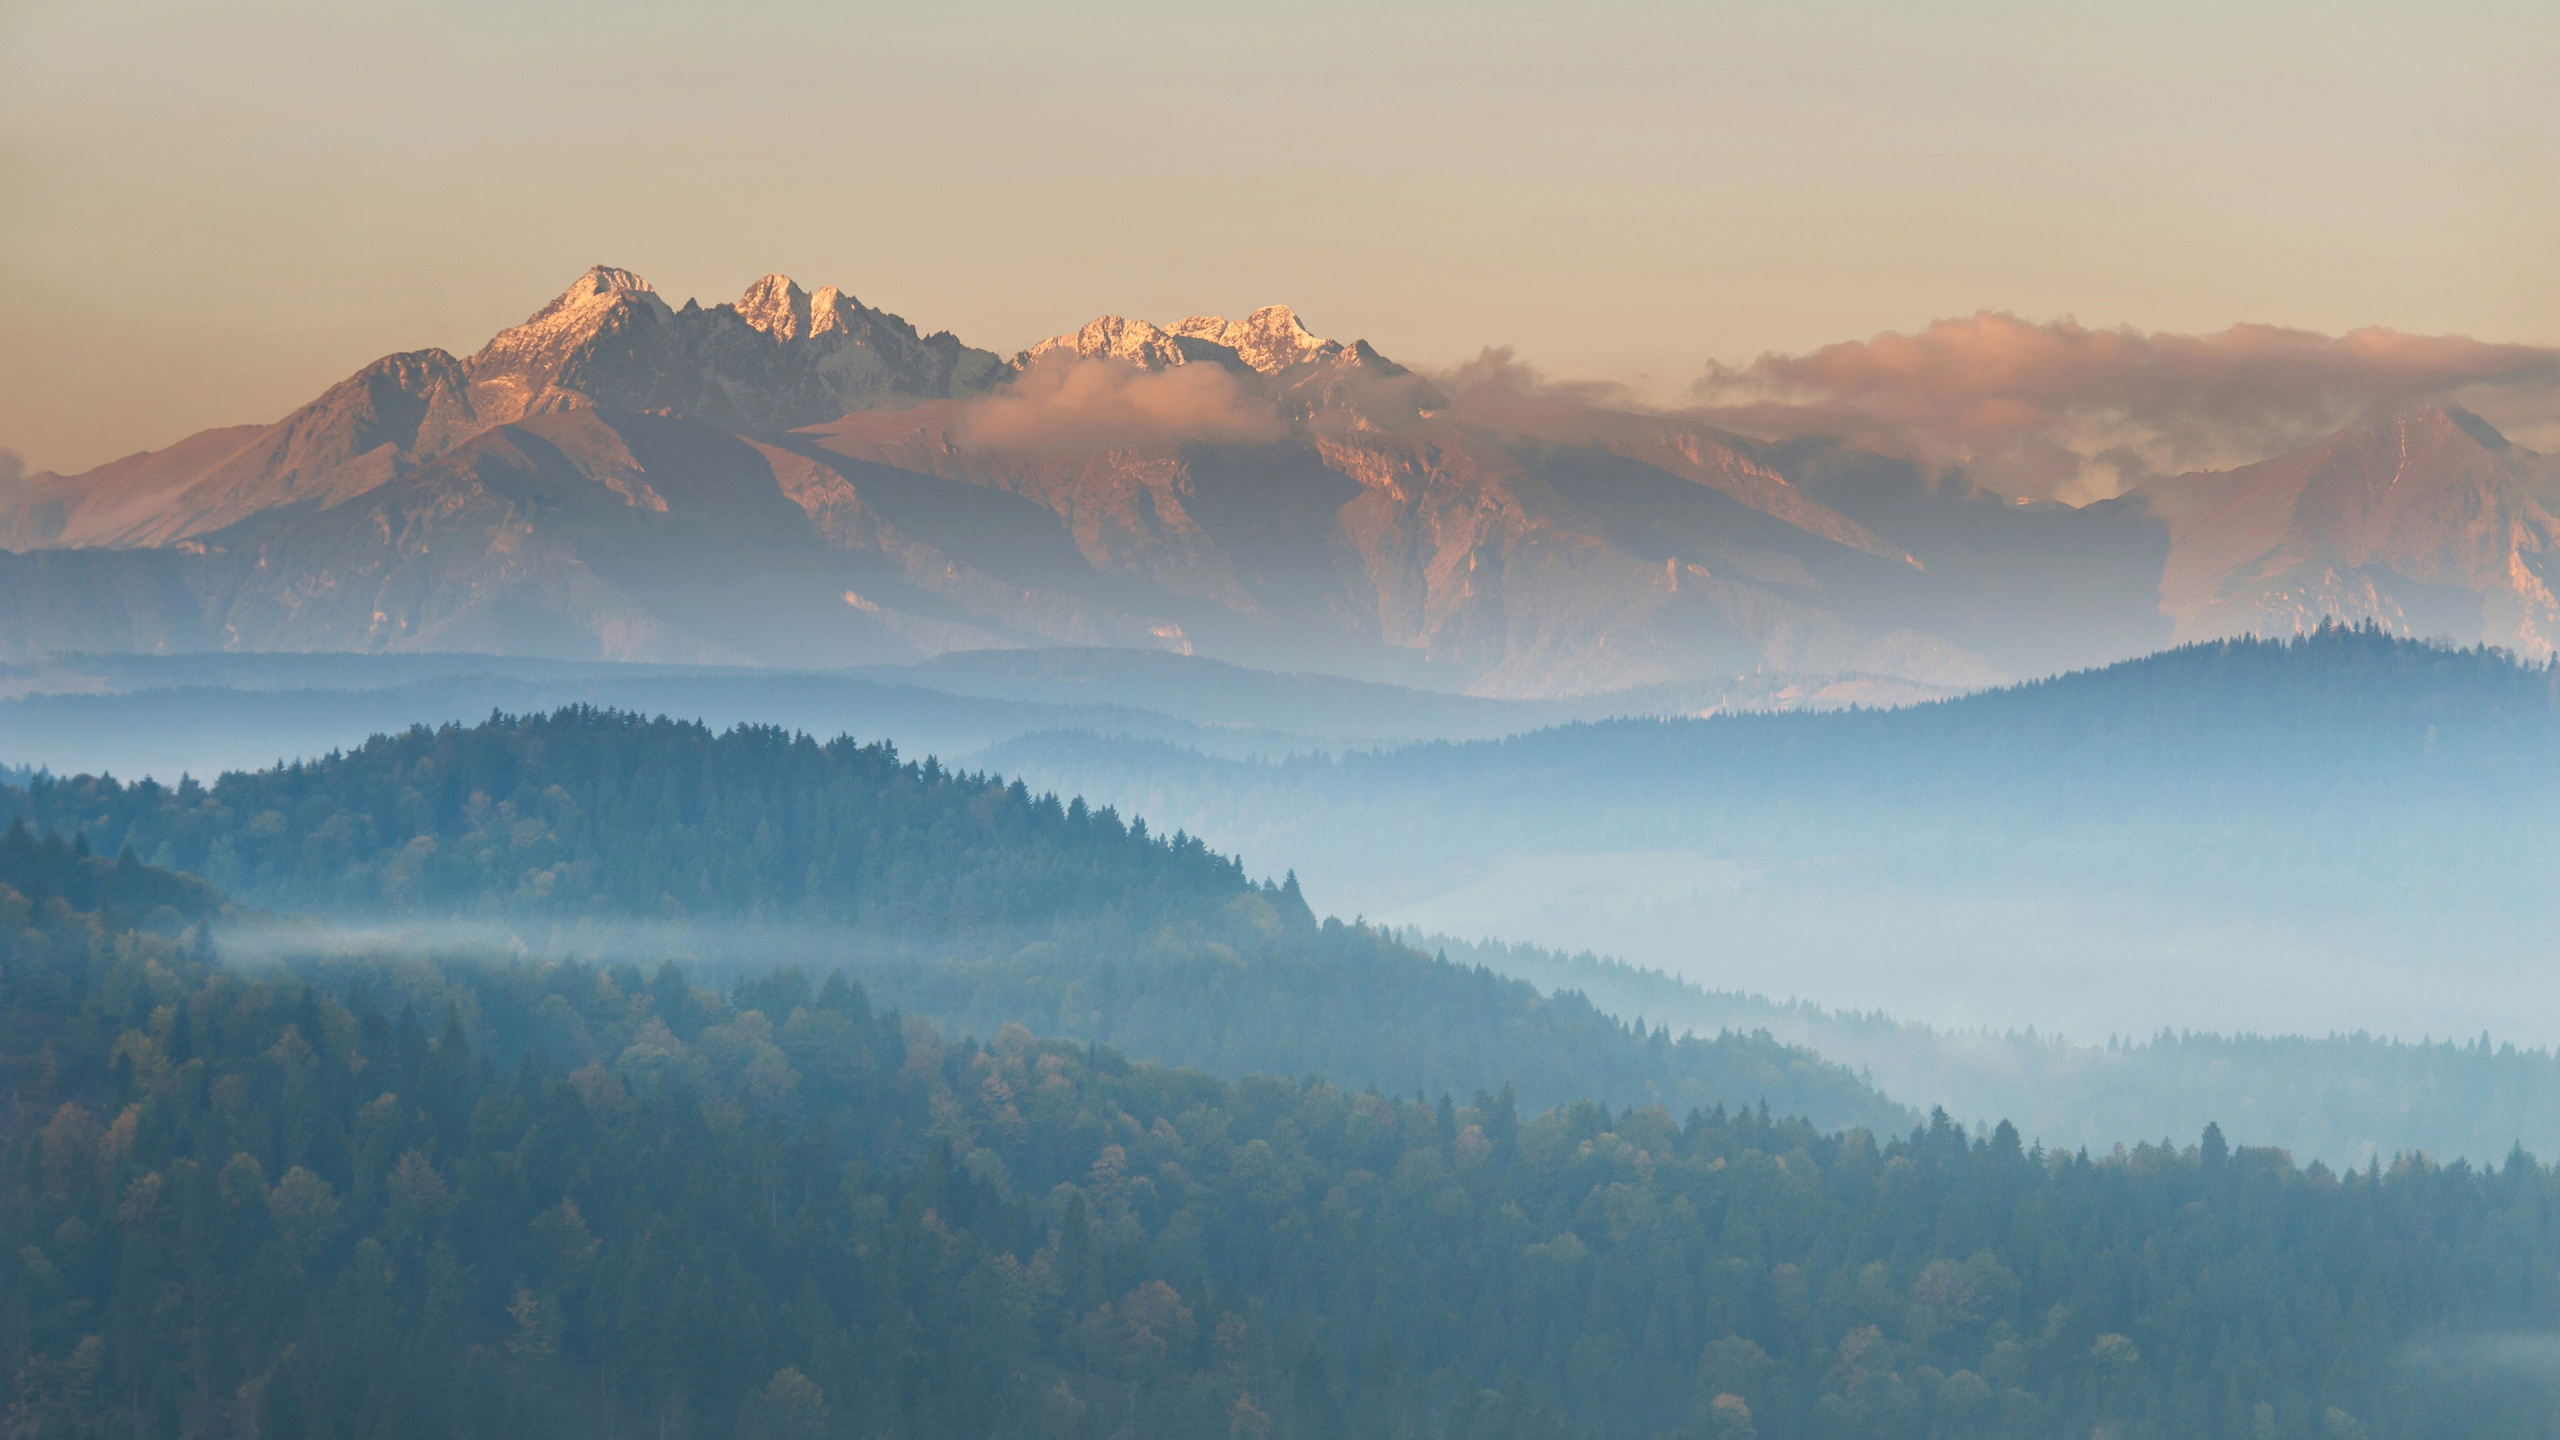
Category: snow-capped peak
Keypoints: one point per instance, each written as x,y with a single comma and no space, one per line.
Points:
603,280
777,306
600,289
1142,344
1270,340
831,309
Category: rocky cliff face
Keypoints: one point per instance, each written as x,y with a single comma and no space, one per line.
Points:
777,358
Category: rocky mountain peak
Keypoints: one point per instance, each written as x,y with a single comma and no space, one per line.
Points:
2423,518
609,280
593,302
1145,345
2477,428
2442,421
777,306
2433,445
601,288
1269,340
776,358
833,312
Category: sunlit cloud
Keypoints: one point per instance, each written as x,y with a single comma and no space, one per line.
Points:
2056,409
1063,400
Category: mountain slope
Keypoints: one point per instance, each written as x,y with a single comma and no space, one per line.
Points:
2427,521
1434,551
2046,587
356,436
797,479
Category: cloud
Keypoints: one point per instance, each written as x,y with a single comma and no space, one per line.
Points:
2056,409
1498,387
1064,401
14,489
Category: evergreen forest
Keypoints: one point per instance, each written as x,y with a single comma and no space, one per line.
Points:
584,1074
542,1197
959,897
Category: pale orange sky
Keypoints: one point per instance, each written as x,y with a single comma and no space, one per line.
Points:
209,212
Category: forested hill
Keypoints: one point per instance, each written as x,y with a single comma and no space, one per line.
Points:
961,897
592,813
428,1201
2336,1098
123,889
2246,720
2341,799
2348,737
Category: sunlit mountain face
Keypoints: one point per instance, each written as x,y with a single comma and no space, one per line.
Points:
799,479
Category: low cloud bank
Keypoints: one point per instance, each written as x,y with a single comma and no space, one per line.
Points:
2042,410
2058,410
1498,386
1064,401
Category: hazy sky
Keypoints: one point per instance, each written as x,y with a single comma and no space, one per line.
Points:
208,212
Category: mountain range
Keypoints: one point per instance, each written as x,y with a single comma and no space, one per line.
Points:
797,479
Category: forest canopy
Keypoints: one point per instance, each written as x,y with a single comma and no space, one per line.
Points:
545,1197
